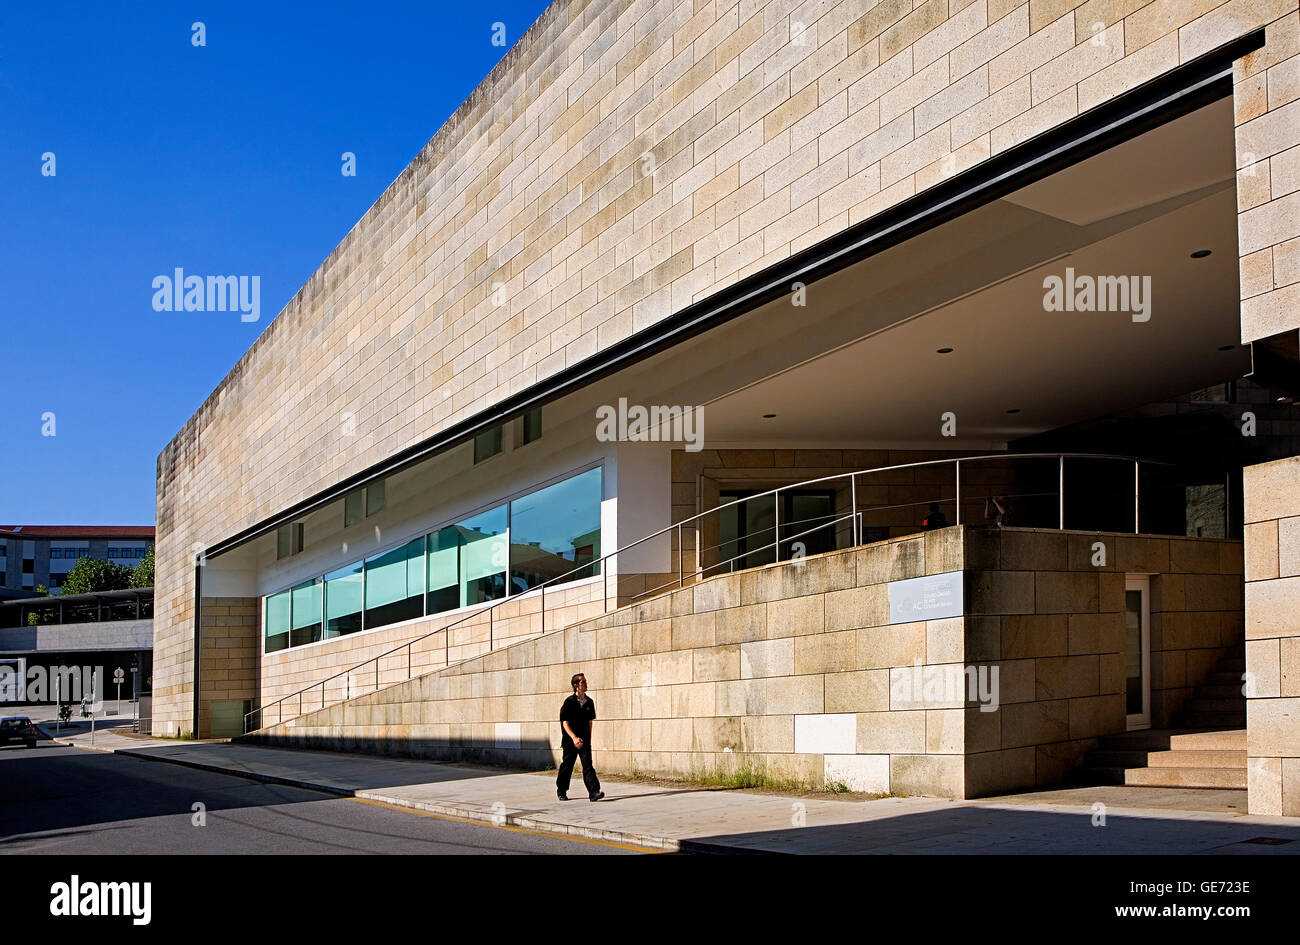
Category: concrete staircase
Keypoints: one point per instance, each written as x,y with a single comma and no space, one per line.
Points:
1206,750
1218,702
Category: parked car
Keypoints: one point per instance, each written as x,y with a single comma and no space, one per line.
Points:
17,728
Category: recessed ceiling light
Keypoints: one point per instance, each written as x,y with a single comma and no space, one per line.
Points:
1201,253
1226,347
769,416
944,351
1282,400
1014,410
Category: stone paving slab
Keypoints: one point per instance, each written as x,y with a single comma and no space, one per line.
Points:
695,819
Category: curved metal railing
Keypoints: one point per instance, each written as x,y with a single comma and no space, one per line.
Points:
855,521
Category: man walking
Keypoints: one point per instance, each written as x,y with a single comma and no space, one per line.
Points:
576,716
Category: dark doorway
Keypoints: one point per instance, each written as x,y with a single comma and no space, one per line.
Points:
748,529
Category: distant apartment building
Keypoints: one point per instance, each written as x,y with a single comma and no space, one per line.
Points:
33,556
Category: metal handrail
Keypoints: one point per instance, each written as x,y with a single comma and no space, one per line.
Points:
540,589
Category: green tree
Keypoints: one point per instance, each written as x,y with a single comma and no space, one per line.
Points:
142,576
89,575
35,618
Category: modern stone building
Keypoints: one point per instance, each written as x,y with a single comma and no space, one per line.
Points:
999,296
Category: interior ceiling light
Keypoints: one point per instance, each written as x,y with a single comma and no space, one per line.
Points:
1201,253
944,351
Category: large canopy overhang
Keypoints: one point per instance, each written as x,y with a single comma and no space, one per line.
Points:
1176,93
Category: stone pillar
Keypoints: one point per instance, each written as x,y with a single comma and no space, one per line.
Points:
1272,548
1267,106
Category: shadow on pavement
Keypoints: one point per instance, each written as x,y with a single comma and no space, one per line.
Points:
983,830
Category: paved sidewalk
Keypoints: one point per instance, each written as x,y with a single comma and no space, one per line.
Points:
110,733
693,819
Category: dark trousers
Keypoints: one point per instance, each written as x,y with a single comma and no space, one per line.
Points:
571,754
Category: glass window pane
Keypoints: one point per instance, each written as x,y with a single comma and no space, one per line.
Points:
352,507
555,530
277,621
1133,652
483,556
344,590
487,444
530,426
395,584
444,570
306,613
375,497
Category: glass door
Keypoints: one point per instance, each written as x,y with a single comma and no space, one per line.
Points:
1137,650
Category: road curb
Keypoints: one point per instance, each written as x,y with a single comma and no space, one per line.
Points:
40,727
471,813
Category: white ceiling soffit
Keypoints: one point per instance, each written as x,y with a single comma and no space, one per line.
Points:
1193,152
975,284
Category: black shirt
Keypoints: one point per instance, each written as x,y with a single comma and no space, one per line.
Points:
579,717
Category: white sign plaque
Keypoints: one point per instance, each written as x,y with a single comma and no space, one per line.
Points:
926,598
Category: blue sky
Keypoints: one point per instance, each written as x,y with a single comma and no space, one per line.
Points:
222,159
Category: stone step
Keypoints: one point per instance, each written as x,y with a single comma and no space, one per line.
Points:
1197,704
1186,777
1117,758
1216,691
1230,739
1089,774
1189,739
1136,758
1216,719
1225,679
1179,758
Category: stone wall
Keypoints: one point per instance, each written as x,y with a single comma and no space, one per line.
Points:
784,669
470,634
770,126
796,670
1053,622
228,653
1272,516
1267,99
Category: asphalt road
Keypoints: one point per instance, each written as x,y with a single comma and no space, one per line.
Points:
55,799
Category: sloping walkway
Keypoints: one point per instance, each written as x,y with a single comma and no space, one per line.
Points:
693,819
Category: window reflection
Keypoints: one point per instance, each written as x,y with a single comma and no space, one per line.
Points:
277,622
554,530
395,584
539,537
467,561
306,600
344,592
